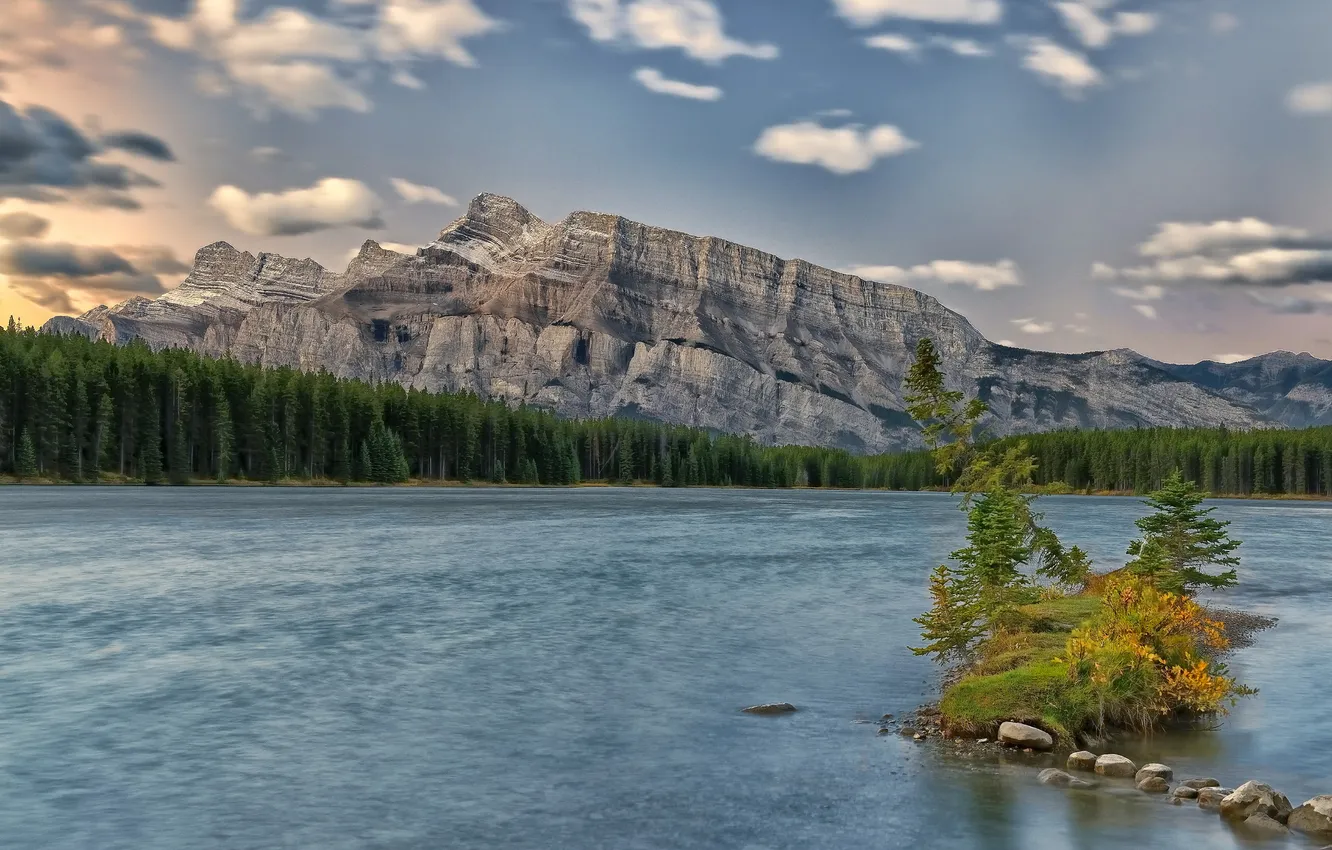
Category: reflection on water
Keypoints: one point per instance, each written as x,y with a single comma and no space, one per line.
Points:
231,668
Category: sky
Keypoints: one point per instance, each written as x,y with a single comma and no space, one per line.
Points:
1071,175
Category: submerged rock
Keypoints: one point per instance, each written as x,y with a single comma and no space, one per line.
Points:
1154,769
1200,783
770,708
1081,760
1314,817
1153,785
1262,823
1210,798
1058,778
1253,798
1022,735
1112,764
1184,792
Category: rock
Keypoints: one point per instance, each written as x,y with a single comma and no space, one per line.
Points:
596,315
887,717
1314,817
1022,735
1200,783
1153,785
1184,792
1210,798
982,740
1058,778
770,708
919,736
885,731
1154,770
1262,823
1082,760
1112,764
1253,798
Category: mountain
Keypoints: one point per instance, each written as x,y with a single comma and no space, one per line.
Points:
596,316
1293,389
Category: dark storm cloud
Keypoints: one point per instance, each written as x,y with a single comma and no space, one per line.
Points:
23,225
140,143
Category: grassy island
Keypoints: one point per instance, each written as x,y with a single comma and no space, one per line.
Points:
1030,633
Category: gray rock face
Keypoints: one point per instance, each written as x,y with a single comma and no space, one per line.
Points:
1253,798
1112,764
596,315
1314,817
1022,735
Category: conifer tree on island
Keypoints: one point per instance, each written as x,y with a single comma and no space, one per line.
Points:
1180,539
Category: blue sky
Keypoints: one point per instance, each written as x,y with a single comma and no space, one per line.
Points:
1072,175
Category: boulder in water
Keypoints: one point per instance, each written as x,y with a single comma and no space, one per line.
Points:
1314,817
1154,769
1184,792
1058,778
1022,735
1081,760
1153,785
1261,822
770,708
1112,764
1210,798
1254,798
1199,784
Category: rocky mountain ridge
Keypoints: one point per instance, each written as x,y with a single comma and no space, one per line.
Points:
596,315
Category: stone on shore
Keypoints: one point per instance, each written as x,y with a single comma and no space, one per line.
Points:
1262,823
770,708
1253,798
1059,779
1112,764
1184,792
1153,785
1154,769
1082,760
1199,784
1314,817
1210,798
1022,735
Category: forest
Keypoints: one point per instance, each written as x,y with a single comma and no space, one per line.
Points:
76,410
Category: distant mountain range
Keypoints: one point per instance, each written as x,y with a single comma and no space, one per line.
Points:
598,316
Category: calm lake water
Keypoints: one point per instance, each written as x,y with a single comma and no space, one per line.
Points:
291,668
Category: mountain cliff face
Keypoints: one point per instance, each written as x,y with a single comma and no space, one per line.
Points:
597,316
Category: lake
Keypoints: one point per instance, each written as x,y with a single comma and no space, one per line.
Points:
474,668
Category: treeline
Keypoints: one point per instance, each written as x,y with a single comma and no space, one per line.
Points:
76,410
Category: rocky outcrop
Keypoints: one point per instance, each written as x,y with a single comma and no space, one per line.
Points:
596,315
1115,765
1022,735
1314,817
1254,798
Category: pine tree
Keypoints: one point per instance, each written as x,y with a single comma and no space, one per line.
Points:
953,624
224,437
150,441
25,465
626,460
181,465
100,453
363,464
1180,539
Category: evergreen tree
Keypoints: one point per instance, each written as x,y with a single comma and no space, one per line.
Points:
364,466
181,466
150,442
1180,540
100,451
626,460
952,626
25,466
224,437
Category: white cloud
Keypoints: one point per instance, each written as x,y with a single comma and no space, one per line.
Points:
301,88
1231,358
1083,19
1223,22
985,277
406,79
415,193
1067,69
330,202
1104,271
893,42
962,46
1146,310
652,80
1175,239
694,27
1009,343
1078,329
265,153
424,28
841,150
1150,292
866,13
1310,99
1031,326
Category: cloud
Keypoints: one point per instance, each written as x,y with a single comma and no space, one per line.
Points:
1083,19
652,80
1174,239
867,13
894,43
406,79
1293,305
1231,358
1223,22
396,247
1310,99
898,43
291,60
266,153
23,225
1008,343
415,193
59,275
1146,310
985,277
141,144
841,150
961,47
695,27
1067,69
1151,292
330,202
45,158
1031,326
